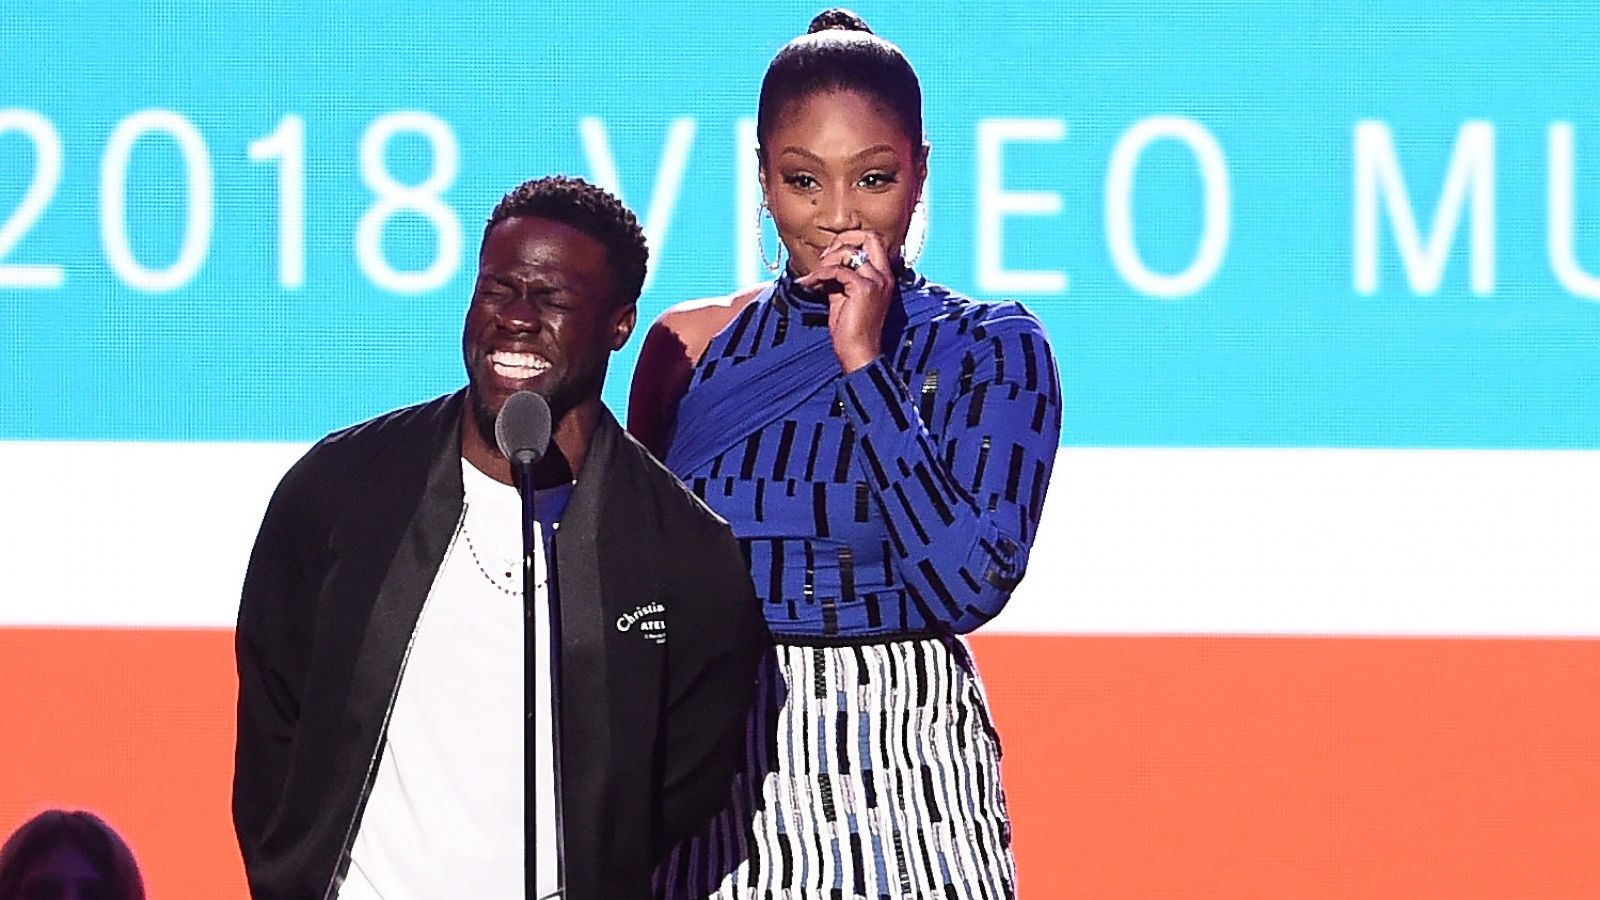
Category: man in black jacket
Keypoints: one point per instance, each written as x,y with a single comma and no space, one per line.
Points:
379,645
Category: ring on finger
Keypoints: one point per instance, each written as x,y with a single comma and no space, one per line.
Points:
856,259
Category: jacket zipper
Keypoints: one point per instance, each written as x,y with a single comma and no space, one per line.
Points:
553,593
341,862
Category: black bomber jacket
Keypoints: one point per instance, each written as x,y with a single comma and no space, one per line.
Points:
649,733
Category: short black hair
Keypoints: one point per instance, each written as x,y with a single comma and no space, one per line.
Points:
840,52
593,211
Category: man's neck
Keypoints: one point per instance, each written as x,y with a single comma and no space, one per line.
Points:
569,445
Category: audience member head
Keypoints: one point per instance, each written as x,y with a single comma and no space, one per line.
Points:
68,855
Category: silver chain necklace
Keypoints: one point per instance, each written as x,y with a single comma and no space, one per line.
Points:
466,532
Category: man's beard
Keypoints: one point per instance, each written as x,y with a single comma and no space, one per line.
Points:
563,397
483,418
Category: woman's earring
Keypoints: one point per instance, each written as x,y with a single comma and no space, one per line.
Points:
763,212
919,227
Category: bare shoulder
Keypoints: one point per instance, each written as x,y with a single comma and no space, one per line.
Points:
695,322
672,346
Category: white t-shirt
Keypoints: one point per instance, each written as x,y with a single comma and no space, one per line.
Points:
445,817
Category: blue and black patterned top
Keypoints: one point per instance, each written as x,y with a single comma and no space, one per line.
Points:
898,500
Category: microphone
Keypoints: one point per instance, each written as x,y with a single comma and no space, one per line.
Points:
523,428
522,431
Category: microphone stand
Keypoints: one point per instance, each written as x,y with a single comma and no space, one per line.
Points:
522,464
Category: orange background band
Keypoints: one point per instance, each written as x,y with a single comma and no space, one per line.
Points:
1204,767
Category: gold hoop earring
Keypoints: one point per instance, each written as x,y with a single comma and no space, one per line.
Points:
919,217
765,212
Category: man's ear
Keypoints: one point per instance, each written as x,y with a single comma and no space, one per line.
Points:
622,327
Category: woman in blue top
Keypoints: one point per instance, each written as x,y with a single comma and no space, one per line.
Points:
881,447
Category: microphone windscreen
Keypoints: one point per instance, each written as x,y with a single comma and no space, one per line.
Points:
523,426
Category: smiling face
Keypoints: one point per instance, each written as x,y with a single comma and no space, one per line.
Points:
837,161
543,318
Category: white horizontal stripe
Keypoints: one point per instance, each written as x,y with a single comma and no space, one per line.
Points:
1358,542
131,534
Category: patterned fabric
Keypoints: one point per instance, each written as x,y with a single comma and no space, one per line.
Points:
876,775
867,507
880,511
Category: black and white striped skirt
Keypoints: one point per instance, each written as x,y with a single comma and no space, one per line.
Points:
870,771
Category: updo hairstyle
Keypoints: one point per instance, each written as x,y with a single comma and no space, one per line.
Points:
839,52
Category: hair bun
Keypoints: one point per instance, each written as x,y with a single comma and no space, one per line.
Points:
838,19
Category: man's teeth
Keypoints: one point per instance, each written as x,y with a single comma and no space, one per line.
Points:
518,365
